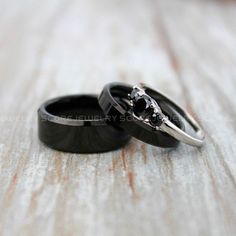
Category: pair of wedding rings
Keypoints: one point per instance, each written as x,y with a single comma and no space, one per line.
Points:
92,124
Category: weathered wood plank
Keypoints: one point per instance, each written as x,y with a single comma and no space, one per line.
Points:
50,48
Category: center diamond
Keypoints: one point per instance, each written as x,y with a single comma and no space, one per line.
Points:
142,106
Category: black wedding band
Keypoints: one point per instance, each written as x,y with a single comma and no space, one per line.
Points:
77,124
114,102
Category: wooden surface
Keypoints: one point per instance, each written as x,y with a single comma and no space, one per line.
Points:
184,48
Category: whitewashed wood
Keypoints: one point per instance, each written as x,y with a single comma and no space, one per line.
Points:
185,48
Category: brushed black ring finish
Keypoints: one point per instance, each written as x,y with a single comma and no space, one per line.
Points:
77,124
112,101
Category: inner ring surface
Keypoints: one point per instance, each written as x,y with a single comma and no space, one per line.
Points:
84,107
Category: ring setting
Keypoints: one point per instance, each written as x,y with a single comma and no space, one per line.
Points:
145,108
151,116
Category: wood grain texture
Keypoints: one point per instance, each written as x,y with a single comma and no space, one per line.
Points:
184,48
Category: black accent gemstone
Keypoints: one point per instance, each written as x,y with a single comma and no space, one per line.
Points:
142,107
156,119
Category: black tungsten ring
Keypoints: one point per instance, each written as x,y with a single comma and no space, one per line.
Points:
114,100
77,124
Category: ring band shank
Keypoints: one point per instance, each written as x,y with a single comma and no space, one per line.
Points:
172,129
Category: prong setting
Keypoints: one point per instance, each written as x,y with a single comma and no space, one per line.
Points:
145,108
